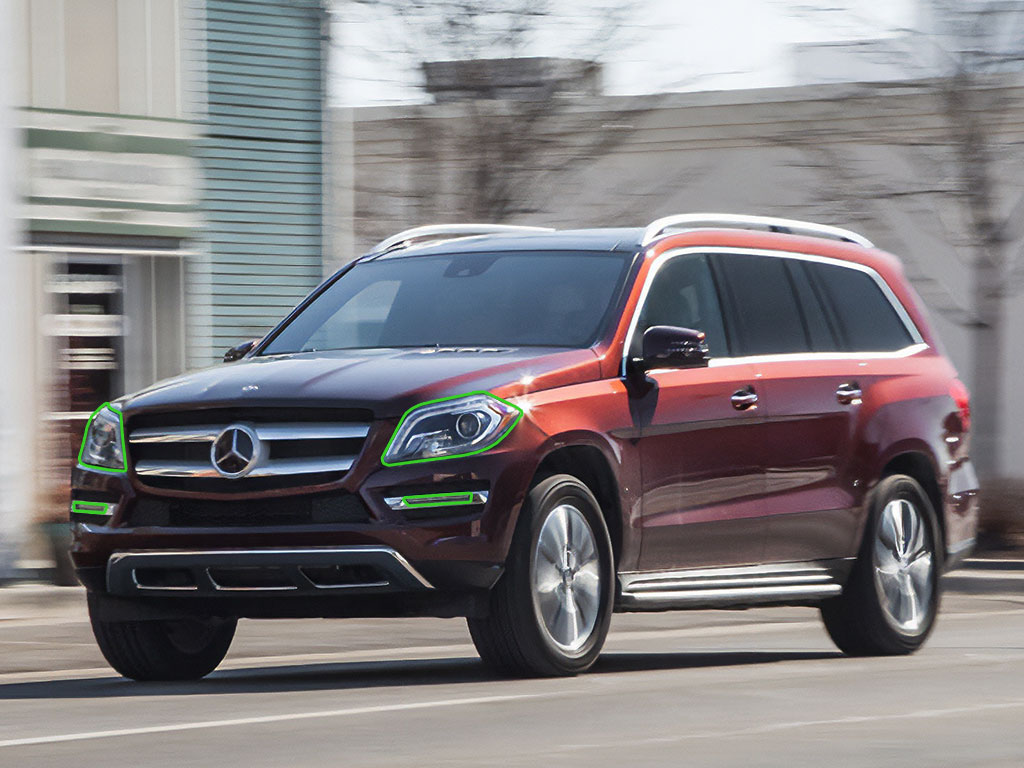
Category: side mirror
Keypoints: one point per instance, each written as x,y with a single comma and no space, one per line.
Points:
666,346
239,351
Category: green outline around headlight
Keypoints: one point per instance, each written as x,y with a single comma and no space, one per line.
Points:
401,421
124,444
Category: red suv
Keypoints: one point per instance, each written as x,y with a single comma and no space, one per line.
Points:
534,429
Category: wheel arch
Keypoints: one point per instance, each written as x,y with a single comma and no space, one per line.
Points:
919,464
589,463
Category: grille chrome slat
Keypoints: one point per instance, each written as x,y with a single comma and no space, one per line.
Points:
245,449
198,434
273,432
271,468
268,432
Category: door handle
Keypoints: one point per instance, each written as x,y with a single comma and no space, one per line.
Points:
849,393
744,399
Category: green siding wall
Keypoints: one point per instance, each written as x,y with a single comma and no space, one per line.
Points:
262,160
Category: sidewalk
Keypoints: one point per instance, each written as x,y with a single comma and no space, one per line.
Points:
987,575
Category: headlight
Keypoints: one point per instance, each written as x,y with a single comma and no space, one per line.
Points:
103,444
451,427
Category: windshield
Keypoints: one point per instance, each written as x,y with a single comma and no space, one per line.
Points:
558,299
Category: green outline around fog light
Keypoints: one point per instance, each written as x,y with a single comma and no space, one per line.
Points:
124,443
447,499
90,508
401,421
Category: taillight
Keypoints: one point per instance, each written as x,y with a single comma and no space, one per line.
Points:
962,398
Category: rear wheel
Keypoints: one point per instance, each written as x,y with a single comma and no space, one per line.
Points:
892,597
178,649
550,611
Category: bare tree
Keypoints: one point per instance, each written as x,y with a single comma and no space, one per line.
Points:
964,60
522,123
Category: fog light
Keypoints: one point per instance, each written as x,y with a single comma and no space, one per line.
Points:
458,499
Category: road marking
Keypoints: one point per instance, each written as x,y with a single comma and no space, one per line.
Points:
768,728
263,719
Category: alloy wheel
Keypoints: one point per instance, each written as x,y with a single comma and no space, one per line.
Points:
904,566
566,577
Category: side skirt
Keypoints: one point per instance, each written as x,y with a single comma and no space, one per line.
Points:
767,584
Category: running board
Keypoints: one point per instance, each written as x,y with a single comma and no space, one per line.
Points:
776,583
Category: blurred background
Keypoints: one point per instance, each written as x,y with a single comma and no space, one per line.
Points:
176,174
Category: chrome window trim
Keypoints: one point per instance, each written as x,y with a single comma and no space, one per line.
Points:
915,334
907,351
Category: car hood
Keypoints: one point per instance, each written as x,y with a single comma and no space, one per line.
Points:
386,381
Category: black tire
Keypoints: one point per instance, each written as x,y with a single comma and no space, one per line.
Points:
513,638
180,649
859,621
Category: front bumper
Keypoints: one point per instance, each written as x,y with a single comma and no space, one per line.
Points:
450,521
353,570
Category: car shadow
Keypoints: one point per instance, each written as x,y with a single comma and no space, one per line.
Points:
377,674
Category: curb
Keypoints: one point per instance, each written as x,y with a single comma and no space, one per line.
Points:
20,600
993,564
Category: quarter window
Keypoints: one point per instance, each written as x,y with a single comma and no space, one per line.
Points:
866,318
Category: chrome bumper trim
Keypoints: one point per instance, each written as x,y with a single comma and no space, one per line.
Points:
123,579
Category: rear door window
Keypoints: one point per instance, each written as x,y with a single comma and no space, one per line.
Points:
764,318
867,320
821,323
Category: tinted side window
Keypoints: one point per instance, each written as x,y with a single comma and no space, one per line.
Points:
683,294
820,325
867,320
763,312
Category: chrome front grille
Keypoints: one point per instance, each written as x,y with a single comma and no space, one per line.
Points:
302,450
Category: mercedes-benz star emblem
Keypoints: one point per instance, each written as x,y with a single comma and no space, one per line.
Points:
235,451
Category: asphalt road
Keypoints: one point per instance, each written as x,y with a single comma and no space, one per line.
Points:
743,688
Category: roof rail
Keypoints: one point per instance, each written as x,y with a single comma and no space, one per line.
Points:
420,235
763,223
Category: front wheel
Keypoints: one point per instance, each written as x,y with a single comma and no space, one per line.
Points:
889,604
550,611
177,649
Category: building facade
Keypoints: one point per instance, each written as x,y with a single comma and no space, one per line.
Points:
107,216
167,171
259,113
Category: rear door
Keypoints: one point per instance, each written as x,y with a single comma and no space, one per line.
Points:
813,399
784,324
